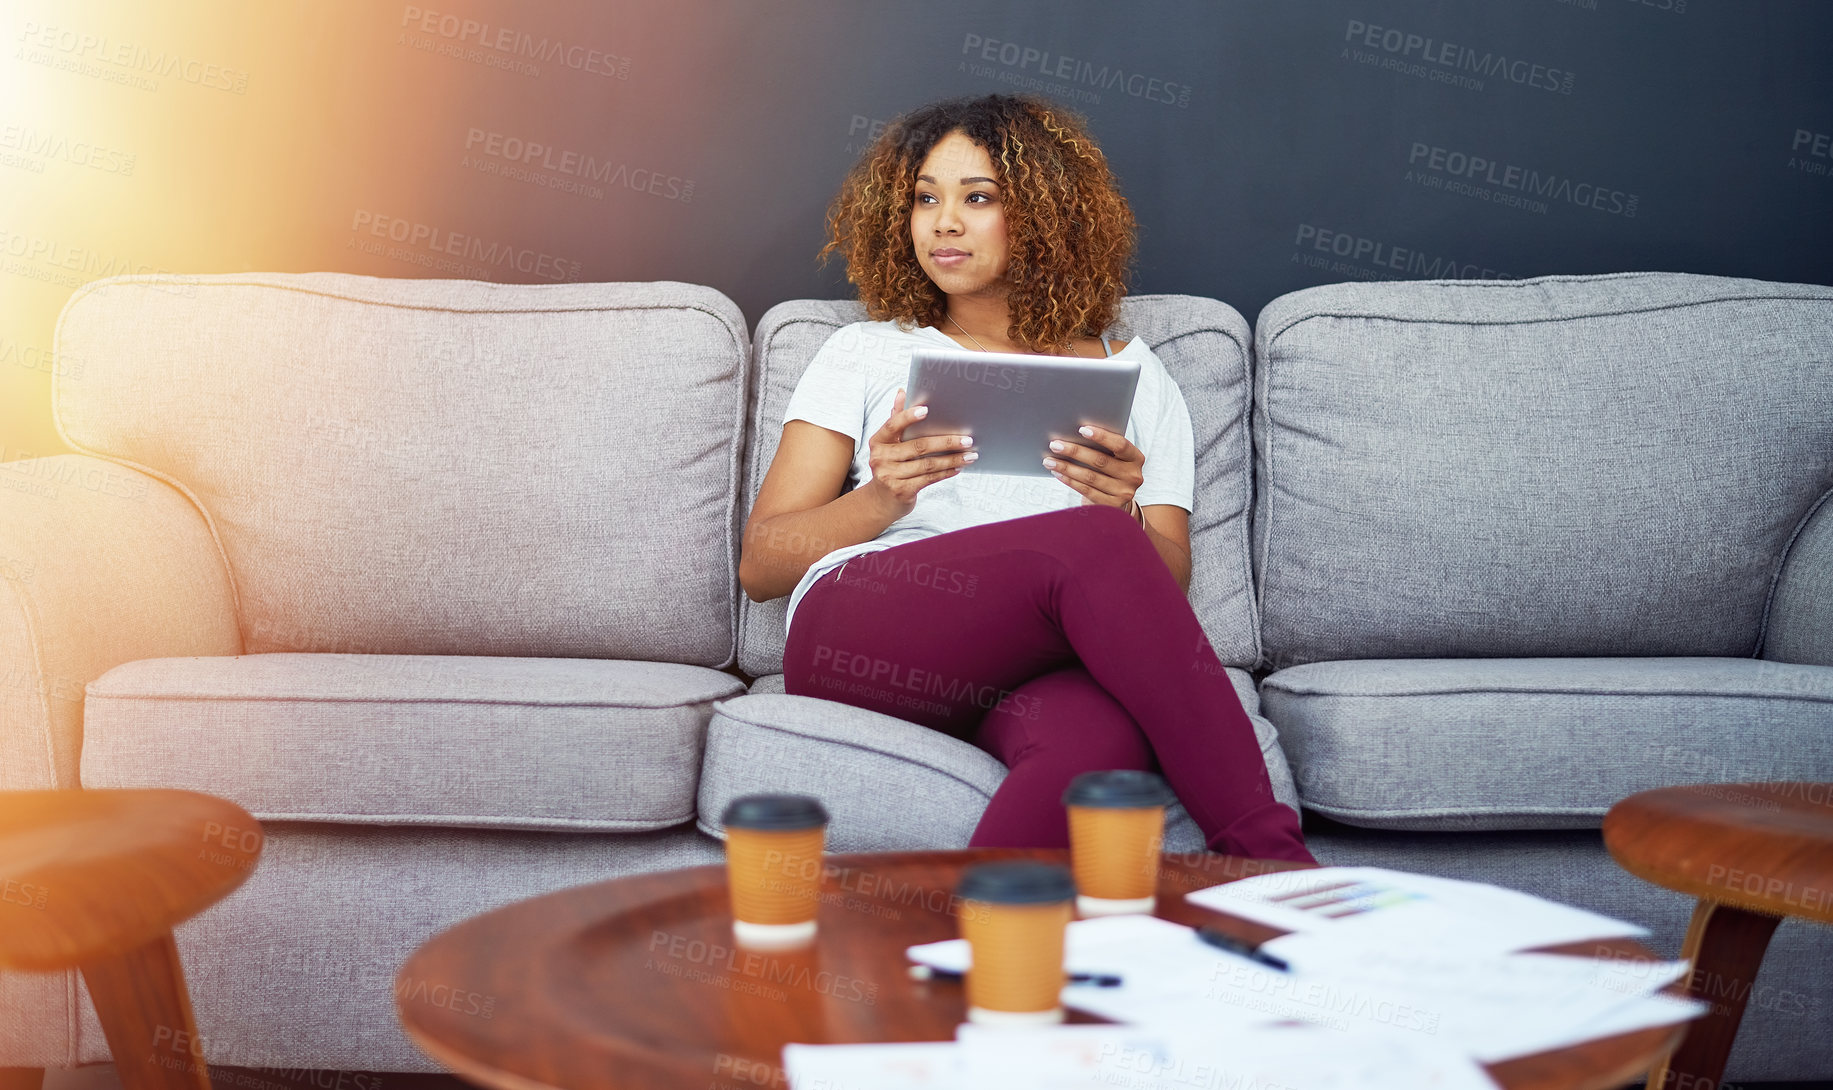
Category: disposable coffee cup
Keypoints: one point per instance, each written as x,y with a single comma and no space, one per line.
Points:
774,846
1013,916
1116,832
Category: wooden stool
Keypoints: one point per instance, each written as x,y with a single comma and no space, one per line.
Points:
1752,853
96,880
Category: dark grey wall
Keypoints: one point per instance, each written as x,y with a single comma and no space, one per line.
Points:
1266,145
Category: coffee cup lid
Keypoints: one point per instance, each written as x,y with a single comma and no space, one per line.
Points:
1119,789
773,812
1017,883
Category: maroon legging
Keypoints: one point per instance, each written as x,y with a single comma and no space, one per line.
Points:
1060,643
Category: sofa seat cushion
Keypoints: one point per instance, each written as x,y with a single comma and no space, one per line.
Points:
518,743
1539,743
888,784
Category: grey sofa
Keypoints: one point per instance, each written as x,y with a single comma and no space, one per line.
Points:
438,579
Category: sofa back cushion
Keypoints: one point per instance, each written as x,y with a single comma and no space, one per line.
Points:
1204,345
1563,466
440,467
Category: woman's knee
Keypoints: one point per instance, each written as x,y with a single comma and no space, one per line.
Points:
1065,715
1105,744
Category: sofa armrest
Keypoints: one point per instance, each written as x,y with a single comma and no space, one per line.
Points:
1799,624
100,564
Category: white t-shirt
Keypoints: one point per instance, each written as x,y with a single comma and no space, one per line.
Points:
851,383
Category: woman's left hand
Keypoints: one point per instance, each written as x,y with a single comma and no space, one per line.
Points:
1110,467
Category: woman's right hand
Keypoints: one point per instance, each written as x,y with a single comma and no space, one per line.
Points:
902,468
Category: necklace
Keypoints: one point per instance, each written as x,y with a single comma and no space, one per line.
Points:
968,335
984,348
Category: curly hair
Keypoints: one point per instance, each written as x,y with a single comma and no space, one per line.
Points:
1070,233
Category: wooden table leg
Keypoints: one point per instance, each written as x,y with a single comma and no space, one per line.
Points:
145,1011
1725,946
22,1078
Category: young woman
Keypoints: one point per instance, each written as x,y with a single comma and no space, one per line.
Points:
1044,619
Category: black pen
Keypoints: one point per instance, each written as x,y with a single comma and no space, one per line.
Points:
1249,950
929,972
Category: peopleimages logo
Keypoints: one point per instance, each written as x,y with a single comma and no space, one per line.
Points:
1811,152
36,358
862,132
129,62
423,244
516,158
1468,169
1448,59
508,47
54,261
1671,7
37,145
1381,258
999,377
1022,61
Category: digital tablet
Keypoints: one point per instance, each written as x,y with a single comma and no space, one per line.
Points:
1014,404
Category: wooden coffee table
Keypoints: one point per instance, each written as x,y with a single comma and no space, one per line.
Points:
636,983
1752,853
96,880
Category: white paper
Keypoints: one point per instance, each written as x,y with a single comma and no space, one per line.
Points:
1066,1057
1135,1057
1493,1007
1375,906
1166,972
923,1065
1182,1056
1619,975
1469,996
1105,944
1655,1010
